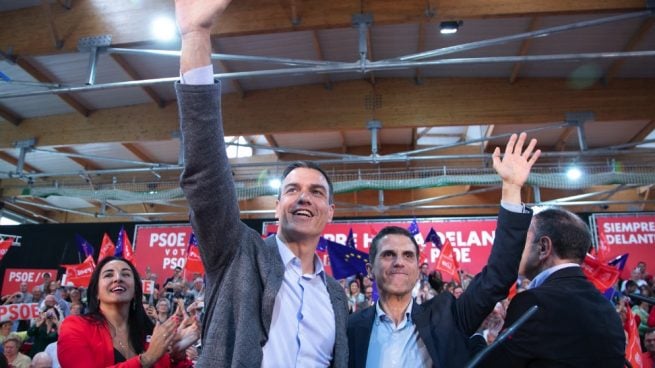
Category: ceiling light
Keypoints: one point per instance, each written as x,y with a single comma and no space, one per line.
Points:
163,29
275,183
574,173
450,27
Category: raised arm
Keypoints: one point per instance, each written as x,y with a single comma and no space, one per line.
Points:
514,167
195,19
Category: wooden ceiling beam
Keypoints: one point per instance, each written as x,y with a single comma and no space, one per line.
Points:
120,60
437,102
127,22
136,151
234,82
319,56
635,39
86,164
39,75
523,50
4,156
10,116
642,134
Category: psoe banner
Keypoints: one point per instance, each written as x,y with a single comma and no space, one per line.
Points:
632,233
162,248
32,276
471,238
12,312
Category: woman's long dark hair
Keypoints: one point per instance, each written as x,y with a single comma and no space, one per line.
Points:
138,323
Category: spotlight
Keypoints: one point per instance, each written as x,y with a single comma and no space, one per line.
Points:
163,29
275,183
574,173
450,27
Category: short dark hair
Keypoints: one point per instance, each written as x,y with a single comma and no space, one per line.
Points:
139,323
389,230
307,165
649,330
569,235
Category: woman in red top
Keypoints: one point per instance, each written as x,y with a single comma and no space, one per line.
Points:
115,329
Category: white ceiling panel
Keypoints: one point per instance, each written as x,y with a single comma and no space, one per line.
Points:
310,141
162,151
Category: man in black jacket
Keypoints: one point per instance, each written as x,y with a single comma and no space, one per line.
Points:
575,325
400,333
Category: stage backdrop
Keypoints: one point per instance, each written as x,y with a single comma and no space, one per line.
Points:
471,237
632,233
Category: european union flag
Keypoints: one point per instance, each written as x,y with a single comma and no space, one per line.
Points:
350,240
413,228
433,238
346,261
83,246
322,244
619,262
193,242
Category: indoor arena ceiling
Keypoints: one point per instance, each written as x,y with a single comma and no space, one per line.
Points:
403,117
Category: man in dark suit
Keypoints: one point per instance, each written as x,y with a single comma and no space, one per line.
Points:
575,325
397,332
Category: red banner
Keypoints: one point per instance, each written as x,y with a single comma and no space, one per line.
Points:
628,233
4,246
12,312
32,276
79,275
162,247
471,238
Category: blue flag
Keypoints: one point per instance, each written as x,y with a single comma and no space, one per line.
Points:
322,245
346,261
193,242
619,262
433,238
83,246
119,244
350,241
413,228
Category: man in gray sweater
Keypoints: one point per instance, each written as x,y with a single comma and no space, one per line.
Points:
269,303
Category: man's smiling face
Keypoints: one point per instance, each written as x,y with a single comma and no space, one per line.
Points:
304,207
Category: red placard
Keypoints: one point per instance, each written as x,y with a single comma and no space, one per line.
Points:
628,233
32,276
471,238
161,247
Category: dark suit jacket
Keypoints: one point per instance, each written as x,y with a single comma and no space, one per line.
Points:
444,323
575,326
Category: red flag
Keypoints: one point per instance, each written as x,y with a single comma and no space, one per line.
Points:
4,246
193,262
80,274
512,291
128,252
447,262
633,346
601,275
603,250
107,248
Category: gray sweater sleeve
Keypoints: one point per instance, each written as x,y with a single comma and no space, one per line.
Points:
207,176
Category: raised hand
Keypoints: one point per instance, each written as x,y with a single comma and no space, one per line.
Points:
514,167
198,15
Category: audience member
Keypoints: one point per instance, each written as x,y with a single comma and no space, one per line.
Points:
116,328
575,326
15,358
270,302
397,331
41,360
44,331
648,358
